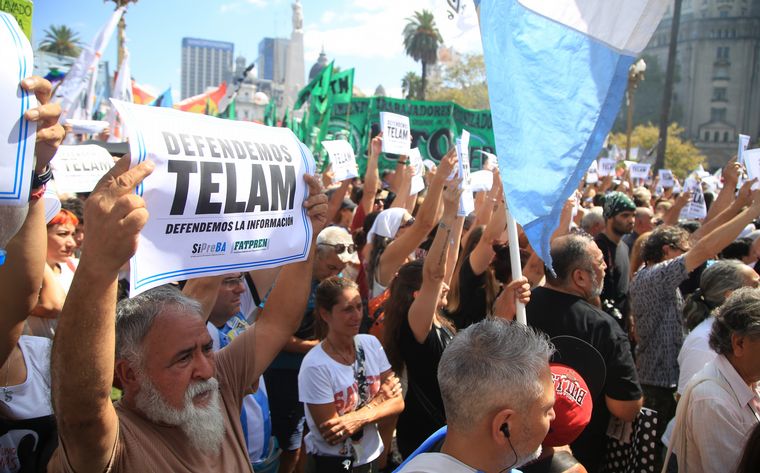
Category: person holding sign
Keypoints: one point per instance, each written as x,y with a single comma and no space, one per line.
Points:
181,404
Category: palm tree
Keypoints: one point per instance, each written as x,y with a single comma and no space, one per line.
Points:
61,40
421,41
410,85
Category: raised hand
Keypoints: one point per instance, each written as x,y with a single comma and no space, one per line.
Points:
376,146
447,164
451,196
731,172
115,214
316,204
49,132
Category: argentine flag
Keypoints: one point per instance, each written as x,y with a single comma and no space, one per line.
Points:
557,71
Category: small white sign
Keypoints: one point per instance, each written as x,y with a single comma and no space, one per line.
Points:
752,164
415,161
606,167
666,178
489,160
696,208
397,136
481,181
640,170
88,127
79,168
466,201
743,145
17,135
342,159
592,175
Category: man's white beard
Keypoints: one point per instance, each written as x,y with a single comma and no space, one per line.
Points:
204,426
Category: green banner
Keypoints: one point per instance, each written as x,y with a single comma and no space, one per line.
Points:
342,86
21,10
434,126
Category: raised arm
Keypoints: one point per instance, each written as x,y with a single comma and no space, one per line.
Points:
726,195
423,309
82,373
398,250
735,206
483,253
336,199
204,290
673,213
21,275
371,175
286,304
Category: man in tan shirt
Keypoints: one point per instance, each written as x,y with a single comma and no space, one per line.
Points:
181,405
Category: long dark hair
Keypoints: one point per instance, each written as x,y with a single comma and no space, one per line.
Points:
379,244
491,285
326,296
402,289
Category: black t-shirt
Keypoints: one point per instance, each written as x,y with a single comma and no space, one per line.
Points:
556,313
423,407
618,268
472,297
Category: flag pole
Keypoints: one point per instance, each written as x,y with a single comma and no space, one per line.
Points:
514,257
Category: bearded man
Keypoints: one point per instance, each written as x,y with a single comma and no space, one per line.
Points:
181,404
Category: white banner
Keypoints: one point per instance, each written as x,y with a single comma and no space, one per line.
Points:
481,181
415,161
88,127
122,90
639,170
79,168
592,175
225,195
488,161
396,135
743,145
466,201
696,208
666,178
342,159
752,164
606,167
17,135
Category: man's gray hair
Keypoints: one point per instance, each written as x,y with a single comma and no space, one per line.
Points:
740,315
721,277
135,317
492,365
592,218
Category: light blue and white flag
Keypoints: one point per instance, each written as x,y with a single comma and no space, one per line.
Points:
556,74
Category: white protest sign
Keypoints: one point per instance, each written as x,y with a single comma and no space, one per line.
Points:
466,201
606,167
415,161
225,195
743,145
696,208
429,164
592,175
633,154
490,162
88,127
752,164
639,170
481,181
396,134
342,159
17,135
79,168
666,178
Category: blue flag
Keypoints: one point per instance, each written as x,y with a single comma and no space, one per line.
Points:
556,72
164,100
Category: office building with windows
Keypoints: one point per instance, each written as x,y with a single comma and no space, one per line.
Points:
273,59
205,63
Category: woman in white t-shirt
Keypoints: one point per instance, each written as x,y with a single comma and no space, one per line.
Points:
346,385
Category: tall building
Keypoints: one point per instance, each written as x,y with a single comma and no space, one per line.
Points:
205,63
717,82
273,59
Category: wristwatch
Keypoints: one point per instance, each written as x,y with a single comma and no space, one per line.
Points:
39,180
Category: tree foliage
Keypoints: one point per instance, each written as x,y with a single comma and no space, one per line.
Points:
421,41
410,85
61,40
463,81
681,156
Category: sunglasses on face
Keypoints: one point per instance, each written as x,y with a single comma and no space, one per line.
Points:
340,247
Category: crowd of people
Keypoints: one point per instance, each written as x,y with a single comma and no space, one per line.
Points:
393,346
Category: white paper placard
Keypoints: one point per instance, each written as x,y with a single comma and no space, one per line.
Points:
743,145
666,178
415,161
429,164
489,161
342,159
752,164
396,133
606,167
466,201
592,175
640,170
79,168
481,181
225,195
89,127
696,208
17,135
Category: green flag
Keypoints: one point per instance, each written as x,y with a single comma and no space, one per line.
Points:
270,114
342,86
318,86
286,120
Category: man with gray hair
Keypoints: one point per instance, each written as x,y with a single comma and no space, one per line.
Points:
498,394
567,306
181,405
721,403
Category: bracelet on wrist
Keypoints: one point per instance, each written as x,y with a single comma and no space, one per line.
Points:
39,180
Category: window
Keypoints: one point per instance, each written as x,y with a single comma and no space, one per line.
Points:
723,52
717,115
719,94
715,136
725,137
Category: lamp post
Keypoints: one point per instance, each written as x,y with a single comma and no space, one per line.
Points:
635,75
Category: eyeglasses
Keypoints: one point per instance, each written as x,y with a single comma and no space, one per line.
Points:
406,224
340,247
232,282
679,248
